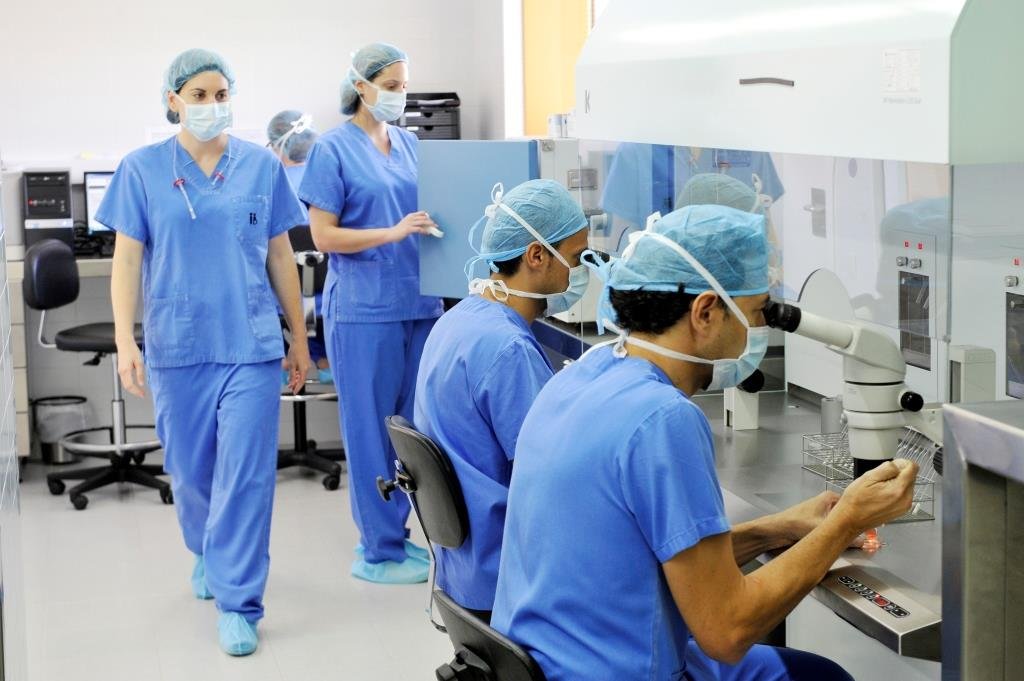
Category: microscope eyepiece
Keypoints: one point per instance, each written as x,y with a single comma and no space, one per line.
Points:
782,316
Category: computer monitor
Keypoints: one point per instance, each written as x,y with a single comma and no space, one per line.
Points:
96,184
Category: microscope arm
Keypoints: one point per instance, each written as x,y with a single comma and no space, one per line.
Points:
876,401
928,422
869,355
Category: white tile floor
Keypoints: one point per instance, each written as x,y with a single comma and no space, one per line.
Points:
107,595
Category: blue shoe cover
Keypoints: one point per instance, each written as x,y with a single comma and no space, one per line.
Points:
409,571
199,587
324,376
237,636
411,550
414,551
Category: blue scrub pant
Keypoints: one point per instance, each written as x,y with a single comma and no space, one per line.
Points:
375,367
218,424
766,663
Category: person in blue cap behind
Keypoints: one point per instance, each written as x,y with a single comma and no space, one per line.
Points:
724,190
202,220
618,561
482,367
360,186
290,135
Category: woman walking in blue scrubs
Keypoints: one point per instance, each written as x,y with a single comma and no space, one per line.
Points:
203,218
360,185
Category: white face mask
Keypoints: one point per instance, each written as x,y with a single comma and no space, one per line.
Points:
390,105
726,373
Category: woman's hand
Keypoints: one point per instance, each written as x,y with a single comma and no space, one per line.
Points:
297,364
413,223
131,368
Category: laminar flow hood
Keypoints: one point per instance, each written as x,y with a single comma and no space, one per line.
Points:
934,81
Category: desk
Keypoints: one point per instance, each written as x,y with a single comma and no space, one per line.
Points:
87,267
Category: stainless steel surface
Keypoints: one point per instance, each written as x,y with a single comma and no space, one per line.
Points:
117,419
77,443
874,602
997,431
983,542
763,469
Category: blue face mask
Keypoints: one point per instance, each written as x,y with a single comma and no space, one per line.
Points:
390,105
728,372
206,121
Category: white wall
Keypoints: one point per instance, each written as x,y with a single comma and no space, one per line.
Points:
85,77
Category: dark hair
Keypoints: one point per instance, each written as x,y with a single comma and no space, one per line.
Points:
650,311
508,268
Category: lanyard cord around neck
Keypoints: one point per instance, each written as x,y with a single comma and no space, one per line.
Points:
179,180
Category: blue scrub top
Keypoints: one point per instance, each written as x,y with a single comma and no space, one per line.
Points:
614,476
295,174
480,371
347,175
645,178
206,291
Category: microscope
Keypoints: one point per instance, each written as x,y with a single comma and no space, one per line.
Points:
877,403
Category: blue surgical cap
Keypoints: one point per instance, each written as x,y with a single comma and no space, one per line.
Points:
929,215
718,189
367,63
295,145
729,243
189,64
545,205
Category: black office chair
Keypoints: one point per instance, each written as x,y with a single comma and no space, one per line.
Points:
481,653
306,452
426,475
51,281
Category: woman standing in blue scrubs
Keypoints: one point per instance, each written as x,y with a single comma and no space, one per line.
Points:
203,218
360,185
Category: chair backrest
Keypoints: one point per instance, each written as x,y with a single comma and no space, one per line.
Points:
437,495
51,275
506,660
301,238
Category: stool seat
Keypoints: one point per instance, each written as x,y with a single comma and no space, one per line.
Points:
92,338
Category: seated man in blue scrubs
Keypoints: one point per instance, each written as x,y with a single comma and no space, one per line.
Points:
618,560
482,367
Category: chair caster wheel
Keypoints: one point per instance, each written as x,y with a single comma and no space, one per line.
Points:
331,482
80,501
56,487
167,496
